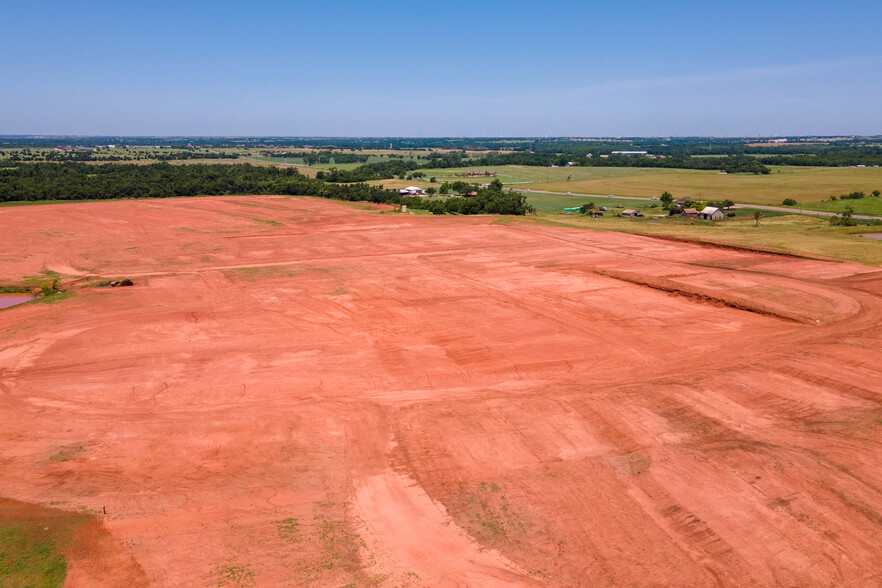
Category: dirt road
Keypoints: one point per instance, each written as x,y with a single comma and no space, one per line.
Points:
301,392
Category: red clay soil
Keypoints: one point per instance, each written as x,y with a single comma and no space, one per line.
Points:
301,392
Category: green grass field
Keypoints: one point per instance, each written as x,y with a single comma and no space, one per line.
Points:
555,203
803,184
868,205
798,233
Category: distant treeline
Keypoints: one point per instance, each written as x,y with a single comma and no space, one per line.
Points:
831,158
572,146
731,164
110,156
314,157
79,181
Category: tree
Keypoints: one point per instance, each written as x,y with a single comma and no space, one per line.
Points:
586,208
876,193
845,219
728,203
666,199
757,215
789,202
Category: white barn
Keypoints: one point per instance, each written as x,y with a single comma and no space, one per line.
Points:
712,213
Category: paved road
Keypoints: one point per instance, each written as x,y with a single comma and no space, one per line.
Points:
789,209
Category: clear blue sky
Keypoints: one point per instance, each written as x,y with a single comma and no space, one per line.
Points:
452,68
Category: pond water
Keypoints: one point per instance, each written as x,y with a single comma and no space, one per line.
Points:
7,300
872,235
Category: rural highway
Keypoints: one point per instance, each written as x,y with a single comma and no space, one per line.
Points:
755,206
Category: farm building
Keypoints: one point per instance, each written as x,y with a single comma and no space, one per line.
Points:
412,191
690,212
712,213
629,212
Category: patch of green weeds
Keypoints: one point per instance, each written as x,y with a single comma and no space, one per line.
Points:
53,298
232,574
14,289
342,554
266,221
288,529
494,519
254,274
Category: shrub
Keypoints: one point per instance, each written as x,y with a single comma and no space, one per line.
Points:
48,289
789,202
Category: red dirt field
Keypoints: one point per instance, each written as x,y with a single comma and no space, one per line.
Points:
301,392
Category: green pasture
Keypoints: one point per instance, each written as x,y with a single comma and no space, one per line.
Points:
512,174
801,234
867,205
803,184
555,203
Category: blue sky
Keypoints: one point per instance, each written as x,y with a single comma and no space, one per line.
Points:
452,68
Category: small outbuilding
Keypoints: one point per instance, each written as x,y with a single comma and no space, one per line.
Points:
712,213
690,212
412,191
629,212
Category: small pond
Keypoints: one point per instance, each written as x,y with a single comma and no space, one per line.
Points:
7,300
872,235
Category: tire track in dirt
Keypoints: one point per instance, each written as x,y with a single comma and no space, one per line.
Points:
409,532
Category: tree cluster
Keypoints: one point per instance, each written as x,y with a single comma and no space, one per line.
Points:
382,170
79,181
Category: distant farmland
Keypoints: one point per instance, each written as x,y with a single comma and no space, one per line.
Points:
803,184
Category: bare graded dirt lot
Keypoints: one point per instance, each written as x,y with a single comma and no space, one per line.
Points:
301,392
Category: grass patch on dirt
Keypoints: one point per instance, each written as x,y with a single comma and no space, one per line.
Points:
32,541
342,556
491,517
53,298
234,575
288,529
257,274
68,452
